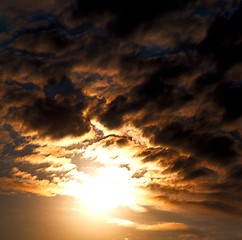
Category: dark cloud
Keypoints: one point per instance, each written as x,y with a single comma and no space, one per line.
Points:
227,96
235,174
182,135
122,142
126,17
156,93
26,5
172,71
186,168
125,166
54,42
223,41
53,118
158,154
139,174
205,205
163,94
220,201
113,117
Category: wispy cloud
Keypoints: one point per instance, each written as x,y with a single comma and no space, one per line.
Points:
166,226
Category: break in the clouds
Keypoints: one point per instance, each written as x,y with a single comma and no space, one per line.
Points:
145,94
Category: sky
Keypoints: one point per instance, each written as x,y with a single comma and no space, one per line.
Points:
120,120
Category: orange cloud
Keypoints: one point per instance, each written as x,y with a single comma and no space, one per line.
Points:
169,226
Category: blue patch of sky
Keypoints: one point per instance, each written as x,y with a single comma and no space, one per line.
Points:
225,9
3,24
79,29
62,87
202,12
235,134
42,15
39,55
159,51
54,23
109,79
237,84
152,51
3,29
26,86
223,6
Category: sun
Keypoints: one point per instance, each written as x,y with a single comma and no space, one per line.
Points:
109,189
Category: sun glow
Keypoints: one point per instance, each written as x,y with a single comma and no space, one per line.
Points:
109,189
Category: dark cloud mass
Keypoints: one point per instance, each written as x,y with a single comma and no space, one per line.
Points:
170,71
52,118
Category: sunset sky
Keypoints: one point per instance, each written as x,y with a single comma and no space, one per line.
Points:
121,120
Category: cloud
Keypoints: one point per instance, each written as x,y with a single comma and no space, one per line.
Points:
26,4
216,206
222,41
153,91
53,42
54,118
124,19
25,182
171,226
218,149
120,222
166,226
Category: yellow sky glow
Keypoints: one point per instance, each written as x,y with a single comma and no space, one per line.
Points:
109,189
